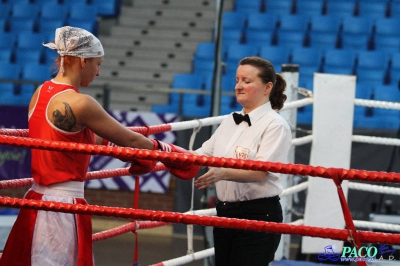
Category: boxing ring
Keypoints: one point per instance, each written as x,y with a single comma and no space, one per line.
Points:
328,177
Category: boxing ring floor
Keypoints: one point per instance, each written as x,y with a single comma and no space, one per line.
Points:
155,245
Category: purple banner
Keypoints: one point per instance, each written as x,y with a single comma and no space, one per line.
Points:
15,163
153,182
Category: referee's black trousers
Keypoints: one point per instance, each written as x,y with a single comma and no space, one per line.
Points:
235,247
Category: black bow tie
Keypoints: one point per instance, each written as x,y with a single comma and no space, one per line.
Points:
239,118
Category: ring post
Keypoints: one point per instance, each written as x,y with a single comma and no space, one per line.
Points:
291,74
332,124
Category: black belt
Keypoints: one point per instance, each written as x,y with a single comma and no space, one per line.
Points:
247,202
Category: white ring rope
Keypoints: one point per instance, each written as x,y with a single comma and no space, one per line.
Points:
294,189
209,121
297,104
302,140
376,140
377,104
377,225
374,188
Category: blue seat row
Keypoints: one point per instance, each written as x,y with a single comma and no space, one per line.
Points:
314,31
64,8
320,7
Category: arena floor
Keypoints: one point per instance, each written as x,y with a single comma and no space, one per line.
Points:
155,245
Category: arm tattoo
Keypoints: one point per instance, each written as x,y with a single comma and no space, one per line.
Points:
65,122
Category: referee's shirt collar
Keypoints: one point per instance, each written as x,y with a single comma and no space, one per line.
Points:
257,113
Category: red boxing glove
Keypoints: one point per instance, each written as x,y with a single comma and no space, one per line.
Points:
179,169
141,167
138,166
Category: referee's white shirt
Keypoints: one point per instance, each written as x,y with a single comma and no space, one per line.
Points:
267,139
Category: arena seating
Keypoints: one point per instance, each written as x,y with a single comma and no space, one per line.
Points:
354,37
26,24
341,31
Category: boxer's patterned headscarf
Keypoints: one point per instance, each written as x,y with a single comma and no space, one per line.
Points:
75,42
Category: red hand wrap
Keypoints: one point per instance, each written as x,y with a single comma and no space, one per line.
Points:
138,166
179,169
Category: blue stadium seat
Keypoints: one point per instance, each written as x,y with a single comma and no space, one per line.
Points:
248,6
394,77
374,77
341,8
394,9
27,90
35,72
235,52
107,8
8,40
54,11
229,105
307,57
23,56
374,10
25,10
354,42
18,25
357,25
281,7
18,1
83,12
3,25
203,66
310,7
363,90
304,115
356,32
387,27
49,56
205,50
378,60
6,55
390,44
293,39
233,20
395,61
262,22
228,82
387,92
31,40
258,37
171,107
196,105
277,55
10,71
48,26
294,23
6,88
339,61
72,3
306,73
42,3
187,81
5,10
323,40
325,24
232,36
11,99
